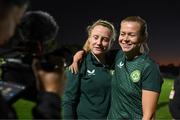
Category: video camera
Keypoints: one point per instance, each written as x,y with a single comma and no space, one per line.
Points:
34,38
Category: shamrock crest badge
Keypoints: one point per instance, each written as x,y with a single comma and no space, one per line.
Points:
135,75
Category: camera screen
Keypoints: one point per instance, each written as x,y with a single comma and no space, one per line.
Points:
10,91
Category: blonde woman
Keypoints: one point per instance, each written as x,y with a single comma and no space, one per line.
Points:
88,93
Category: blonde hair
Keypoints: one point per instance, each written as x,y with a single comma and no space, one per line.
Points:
104,23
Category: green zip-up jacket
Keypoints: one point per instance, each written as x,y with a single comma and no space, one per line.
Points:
87,94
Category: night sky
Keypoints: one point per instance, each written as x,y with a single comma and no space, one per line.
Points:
162,18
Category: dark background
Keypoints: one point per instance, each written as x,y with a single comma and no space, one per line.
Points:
163,21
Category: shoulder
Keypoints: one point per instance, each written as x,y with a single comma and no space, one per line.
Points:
151,68
69,74
86,61
152,78
149,62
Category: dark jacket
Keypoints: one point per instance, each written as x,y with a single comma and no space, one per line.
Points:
6,111
47,107
174,103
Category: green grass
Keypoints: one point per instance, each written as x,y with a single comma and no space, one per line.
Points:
162,108
23,107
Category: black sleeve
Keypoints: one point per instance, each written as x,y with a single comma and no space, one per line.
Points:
48,106
177,82
174,104
6,111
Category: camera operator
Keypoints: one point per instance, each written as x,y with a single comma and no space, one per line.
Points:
49,83
38,28
33,36
11,12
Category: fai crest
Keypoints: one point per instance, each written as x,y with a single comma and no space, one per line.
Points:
135,75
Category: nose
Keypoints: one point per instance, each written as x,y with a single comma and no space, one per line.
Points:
125,39
99,41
